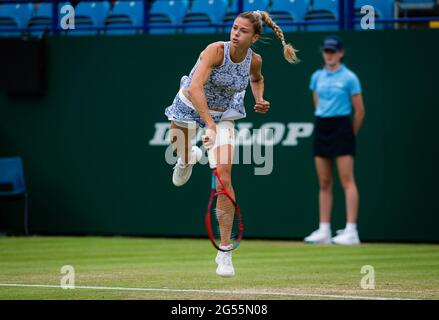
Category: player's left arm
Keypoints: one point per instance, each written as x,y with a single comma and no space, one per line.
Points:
257,84
359,112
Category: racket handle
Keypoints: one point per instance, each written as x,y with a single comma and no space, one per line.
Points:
212,160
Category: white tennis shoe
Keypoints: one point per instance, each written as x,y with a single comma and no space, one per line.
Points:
224,261
346,237
182,172
319,236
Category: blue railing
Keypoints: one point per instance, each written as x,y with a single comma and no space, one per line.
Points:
346,18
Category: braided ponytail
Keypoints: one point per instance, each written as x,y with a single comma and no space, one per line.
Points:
289,51
257,17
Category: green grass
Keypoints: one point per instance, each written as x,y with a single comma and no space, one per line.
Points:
278,267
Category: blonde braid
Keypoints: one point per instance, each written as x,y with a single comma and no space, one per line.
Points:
289,51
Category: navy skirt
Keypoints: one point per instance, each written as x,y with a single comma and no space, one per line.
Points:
333,136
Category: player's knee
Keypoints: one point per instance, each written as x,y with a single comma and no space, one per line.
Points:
227,181
177,135
347,182
325,184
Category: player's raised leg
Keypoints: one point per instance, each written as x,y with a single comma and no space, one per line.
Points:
181,135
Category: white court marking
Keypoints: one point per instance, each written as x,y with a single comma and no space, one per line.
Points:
237,292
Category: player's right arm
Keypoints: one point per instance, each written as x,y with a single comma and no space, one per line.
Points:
210,58
315,99
313,87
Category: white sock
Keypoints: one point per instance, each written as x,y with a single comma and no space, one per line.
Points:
181,163
230,246
351,226
325,226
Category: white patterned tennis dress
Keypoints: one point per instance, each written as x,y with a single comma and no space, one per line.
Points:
224,90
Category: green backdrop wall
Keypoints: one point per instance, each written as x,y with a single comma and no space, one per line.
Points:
91,167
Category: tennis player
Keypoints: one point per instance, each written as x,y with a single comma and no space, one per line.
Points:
212,98
336,92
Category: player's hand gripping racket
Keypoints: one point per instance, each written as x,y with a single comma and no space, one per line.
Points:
223,217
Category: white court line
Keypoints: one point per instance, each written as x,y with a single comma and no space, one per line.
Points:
237,292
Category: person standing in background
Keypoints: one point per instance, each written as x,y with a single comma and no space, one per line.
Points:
336,92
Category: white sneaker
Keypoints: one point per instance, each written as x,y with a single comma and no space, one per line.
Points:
224,261
346,237
319,236
182,172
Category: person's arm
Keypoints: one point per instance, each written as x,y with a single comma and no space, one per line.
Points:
313,88
257,84
359,112
315,99
211,57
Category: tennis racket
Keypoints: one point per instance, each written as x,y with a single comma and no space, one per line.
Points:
223,217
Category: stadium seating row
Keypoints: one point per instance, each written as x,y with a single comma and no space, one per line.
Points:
171,16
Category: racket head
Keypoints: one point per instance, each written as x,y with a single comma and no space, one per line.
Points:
223,218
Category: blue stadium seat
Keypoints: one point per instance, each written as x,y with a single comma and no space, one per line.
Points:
166,13
14,16
417,4
41,20
204,12
288,11
252,5
322,11
329,5
175,9
87,14
383,10
248,5
125,14
12,183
